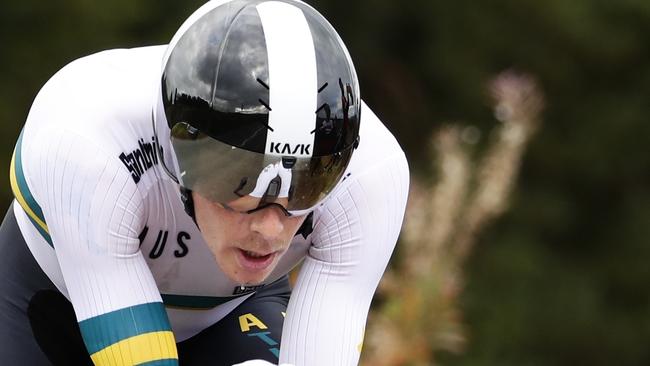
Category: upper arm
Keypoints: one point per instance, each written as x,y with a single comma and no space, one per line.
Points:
94,212
352,243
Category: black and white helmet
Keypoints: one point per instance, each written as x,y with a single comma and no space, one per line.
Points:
260,101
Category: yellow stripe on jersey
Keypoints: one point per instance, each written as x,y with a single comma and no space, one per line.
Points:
147,347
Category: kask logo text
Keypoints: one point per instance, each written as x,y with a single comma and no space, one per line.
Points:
285,148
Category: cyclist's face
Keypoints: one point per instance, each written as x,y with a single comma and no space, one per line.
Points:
247,247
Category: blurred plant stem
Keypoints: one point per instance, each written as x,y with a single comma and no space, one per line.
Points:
443,220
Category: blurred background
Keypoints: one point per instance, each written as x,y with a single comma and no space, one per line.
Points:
527,128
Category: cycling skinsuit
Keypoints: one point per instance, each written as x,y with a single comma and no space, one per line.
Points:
105,231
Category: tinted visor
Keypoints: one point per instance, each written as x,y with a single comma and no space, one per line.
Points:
245,181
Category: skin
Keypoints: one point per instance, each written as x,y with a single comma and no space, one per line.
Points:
229,234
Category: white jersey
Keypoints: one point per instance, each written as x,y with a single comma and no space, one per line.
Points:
106,223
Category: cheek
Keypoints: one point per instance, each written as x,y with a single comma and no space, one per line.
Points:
219,230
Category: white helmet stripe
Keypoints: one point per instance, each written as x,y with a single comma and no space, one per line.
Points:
292,72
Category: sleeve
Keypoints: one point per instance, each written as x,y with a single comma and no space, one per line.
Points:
94,213
352,244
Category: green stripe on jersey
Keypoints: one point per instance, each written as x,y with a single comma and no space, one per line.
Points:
24,195
167,362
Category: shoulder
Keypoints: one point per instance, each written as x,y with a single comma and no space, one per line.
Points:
98,107
89,128
377,147
98,89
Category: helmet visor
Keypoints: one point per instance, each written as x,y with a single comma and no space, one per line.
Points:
246,181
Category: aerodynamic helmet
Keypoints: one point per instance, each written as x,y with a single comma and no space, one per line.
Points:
260,101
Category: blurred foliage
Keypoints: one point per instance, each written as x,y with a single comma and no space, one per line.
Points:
420,314
561,278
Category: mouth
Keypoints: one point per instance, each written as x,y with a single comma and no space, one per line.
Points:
254,261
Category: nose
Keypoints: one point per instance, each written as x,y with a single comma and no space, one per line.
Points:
268,222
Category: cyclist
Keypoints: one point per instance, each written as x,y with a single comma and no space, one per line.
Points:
164,193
